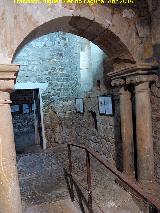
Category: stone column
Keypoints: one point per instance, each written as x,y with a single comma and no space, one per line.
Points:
145,156
127,133
10,201
140,75
126,128
144,142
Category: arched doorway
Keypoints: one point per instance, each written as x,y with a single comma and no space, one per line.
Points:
109,37
116,44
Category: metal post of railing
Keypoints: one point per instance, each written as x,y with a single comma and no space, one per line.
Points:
153,203
89,182
70,171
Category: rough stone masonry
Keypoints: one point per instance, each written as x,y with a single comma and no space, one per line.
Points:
60,60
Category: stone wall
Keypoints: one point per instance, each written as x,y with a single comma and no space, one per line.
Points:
23,123
24,131
154,7
92,129
58,60
155,28
52,59
155,101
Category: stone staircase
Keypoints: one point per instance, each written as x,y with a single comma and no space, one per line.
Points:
44,189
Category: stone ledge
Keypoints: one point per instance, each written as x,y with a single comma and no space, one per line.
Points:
8,71
139,69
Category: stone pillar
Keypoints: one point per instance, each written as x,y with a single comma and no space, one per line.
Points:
127,133
10,201
140,75
145,156
144,141
126,128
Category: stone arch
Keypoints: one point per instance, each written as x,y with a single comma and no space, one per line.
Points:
102,36
116,30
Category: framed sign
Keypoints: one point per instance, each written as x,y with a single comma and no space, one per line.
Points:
79,105
15,108
105,105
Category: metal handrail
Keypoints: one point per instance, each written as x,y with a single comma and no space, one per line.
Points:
152,201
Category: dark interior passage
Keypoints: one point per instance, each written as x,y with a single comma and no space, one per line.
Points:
26,119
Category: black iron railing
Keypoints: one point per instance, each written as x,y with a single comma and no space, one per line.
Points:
153,204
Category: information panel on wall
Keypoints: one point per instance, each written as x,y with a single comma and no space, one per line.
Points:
79,105
105,105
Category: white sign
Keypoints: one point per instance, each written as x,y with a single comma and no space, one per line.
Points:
79,105
15,108
105,105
